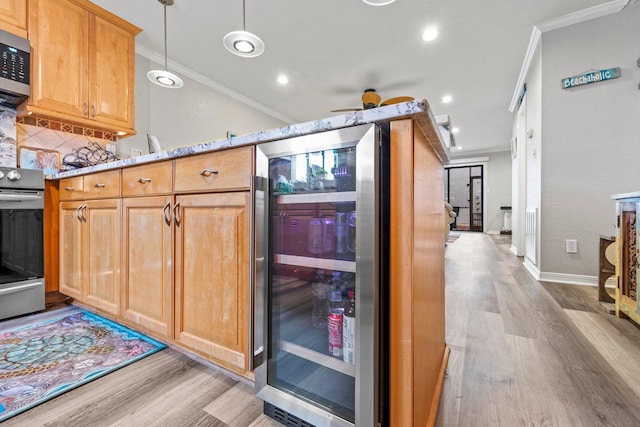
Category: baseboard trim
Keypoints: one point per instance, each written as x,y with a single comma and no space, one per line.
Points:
569,279
531,268
437,394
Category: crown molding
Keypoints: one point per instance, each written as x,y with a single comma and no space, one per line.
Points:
572,18
587,14
156,57
528,57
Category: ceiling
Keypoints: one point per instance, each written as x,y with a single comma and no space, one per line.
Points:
334,49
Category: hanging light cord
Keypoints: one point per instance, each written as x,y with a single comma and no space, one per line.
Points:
165,37
244,16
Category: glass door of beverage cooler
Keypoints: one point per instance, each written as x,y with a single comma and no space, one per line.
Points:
314,347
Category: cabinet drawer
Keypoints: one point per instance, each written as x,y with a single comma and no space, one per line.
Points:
221,170
71,188
146,180
102,185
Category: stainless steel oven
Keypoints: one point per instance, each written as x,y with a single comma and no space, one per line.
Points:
22,245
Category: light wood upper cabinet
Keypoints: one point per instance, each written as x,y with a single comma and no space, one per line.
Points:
82,64
212,265
111,73
13,17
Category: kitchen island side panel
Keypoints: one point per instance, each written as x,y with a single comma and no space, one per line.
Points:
416,321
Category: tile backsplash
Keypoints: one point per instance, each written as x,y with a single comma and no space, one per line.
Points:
44,143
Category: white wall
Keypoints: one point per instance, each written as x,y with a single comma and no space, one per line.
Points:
498,189
189,115
590,136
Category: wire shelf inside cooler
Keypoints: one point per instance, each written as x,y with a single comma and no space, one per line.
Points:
296,334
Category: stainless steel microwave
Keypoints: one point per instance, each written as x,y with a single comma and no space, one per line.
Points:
14,69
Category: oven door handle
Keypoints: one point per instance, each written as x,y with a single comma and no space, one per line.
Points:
20,288
19,197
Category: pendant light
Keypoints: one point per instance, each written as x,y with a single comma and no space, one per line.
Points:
163,77
243,43
378,2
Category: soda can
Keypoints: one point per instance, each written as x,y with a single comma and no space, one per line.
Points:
335,332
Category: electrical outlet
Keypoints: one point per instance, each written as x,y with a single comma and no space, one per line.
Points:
571,246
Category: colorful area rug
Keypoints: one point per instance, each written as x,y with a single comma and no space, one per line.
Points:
45,359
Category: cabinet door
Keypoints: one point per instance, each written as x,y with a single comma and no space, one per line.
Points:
70,250
59,51
112,73
13,16
147,278
101,251
212,265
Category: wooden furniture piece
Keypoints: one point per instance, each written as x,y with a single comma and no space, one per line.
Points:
606,266
627,209
417,351
82,64
13,17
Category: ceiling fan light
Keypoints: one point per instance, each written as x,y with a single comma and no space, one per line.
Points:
378,2
165,79
243,43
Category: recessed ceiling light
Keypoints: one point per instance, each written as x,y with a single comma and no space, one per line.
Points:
447,99
282,79
455,130
430,34
459,147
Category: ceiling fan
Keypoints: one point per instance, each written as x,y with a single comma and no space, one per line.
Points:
371,99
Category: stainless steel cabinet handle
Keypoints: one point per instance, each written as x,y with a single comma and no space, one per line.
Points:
98,185
78,213
69,189
165,213
83,215
208,172
144,180
85,109
93,110
176,213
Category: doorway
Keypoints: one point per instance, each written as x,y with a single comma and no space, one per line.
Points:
464,191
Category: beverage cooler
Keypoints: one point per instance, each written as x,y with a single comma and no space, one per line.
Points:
317,285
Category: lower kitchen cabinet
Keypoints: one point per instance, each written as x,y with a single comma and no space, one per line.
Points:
147,263
70,250
211,277
90,252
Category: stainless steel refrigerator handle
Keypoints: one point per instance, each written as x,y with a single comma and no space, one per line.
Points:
259,188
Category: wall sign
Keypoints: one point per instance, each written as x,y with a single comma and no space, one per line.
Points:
591,77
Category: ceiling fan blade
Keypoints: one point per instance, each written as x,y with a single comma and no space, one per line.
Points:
396,100
341,110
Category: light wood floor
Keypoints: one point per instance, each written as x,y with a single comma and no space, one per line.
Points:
525,353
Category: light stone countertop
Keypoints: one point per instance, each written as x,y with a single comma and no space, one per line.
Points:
419,108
